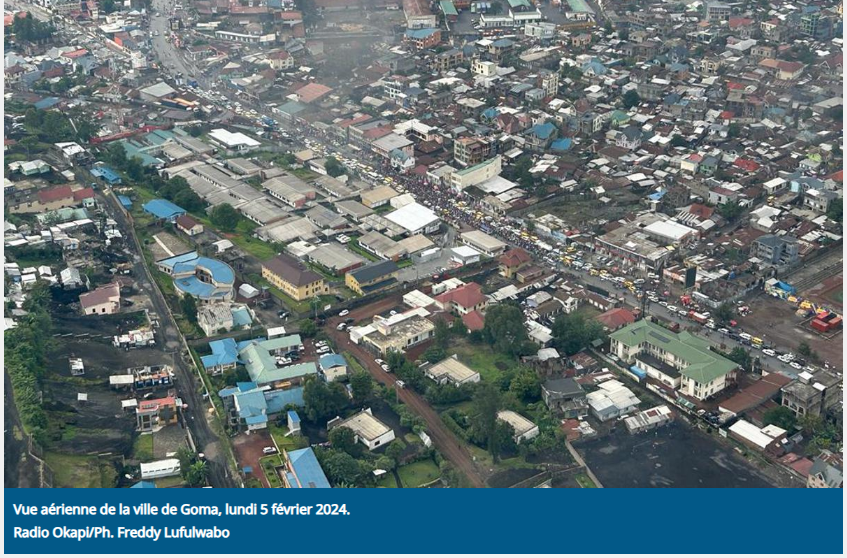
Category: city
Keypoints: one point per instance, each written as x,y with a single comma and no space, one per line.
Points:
401,244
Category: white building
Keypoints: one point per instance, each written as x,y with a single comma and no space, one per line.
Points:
159,469
525,429
232,141
612,400
415,219
368,429
453,371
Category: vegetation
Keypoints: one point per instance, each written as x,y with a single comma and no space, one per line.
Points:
741,357
323,400
836,210
505,331
189,308
573,332
29,29
224,217
730,210
362,386
782,417
631,99
333,167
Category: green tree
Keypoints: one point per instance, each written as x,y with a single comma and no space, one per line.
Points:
108,6
804,349
678,141
196,474
505,330
344,439
385,463
631,99
323,400
308,328
442,333
115,154
730,210
189,201
395,449
134,169
189,307
486,405
733,130
573,332
741,357
224,217
783,417
362,386
836,210
341,467
186,457
333,167
526,386
724,313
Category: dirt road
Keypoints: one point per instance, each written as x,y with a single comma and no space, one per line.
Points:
446,442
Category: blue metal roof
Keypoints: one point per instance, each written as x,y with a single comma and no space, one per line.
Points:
106,174
307,470
224,352
241,317
144,484
46,103
293,416
543,131
278,400
183,269
419,33
163,209
562,144
125,201
328,361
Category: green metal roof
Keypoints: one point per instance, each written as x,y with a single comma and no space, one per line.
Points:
704,365
448,8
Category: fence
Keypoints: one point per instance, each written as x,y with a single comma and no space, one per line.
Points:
45,473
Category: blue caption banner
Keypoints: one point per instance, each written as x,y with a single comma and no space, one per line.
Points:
620,521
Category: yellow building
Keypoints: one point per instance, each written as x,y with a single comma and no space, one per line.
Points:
374,277
293,278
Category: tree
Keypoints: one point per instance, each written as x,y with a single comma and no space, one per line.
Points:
108,6
526,386
343,439
116,155
308,328
333,167
189,308
134,169
189,201
741,357
804,349
572,332
196,474
783,417
678,141
836,210
835,113
395,449
362,386
505,331
631,99
730,210
225,217
486,405
724,313
341,467
323,400
385,463
442,333
733,130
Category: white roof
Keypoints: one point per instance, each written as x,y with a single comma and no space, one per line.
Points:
521,424
232,139
669,229
751,433
417,299
465,251
413,217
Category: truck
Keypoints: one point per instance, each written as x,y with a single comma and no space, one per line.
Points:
698,317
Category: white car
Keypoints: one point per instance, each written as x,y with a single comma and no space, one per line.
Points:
796,366
269,450
769,352
344,312
672,308
385,367
784,358
379,361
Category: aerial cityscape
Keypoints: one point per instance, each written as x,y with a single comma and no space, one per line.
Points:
402,243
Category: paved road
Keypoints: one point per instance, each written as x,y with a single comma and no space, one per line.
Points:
170,57
446,442
189,385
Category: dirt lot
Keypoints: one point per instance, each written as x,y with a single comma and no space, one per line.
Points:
677,456
248,451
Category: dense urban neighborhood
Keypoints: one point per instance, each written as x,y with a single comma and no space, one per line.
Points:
411,243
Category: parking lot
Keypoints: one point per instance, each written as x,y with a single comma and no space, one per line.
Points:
248,451
673,456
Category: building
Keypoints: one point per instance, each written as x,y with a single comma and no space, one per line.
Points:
105,299
513,261
154,414
378,196
159,469
372,278
188,225
452,371
718,11
612,400
524,428
368,429
163,209
827,471
471,151
265,365
419,15
565,396
249,406
302,470
333,367
463,300
681,361
206,279
415,218
813,394
395,333
224,356
484,243
293,278
649,419
767,439
232,142
615,318
644,246
471,176
776,250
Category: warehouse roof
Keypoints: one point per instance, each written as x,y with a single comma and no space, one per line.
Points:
413,217
366,426
373,271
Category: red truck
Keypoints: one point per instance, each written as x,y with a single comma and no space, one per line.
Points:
697,317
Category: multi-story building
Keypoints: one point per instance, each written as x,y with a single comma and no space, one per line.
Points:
471,151
776,250
812,394
372,278
718,11
293,278
471,176
153,414
680,361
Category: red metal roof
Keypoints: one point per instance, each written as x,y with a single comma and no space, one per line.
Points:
56,194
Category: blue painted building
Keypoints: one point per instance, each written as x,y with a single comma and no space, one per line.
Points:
163,209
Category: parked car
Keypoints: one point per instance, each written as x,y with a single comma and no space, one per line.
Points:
269,450
344,312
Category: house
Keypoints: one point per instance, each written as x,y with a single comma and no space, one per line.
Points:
224,356
163,209
302,470
524,428
264,364
394,333
462,300
372,278
154,414
333,367
213,318
776,250
615,318
206,279
827,471
630,138
819,200
812,394
249,406
681,361
612,400
565,396
368,429
484,243
293,278
105,299
159,469
188,225
452,371
512,261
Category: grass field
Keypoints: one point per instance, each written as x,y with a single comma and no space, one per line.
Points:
489,364
416,474
142,449
388,481
585,482
81,471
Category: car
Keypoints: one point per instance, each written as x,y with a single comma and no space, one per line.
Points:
664,303
723,330
393,313
323,350
796,365
344,312
784,358
268,450
385,367
341,327
379,361
769,352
